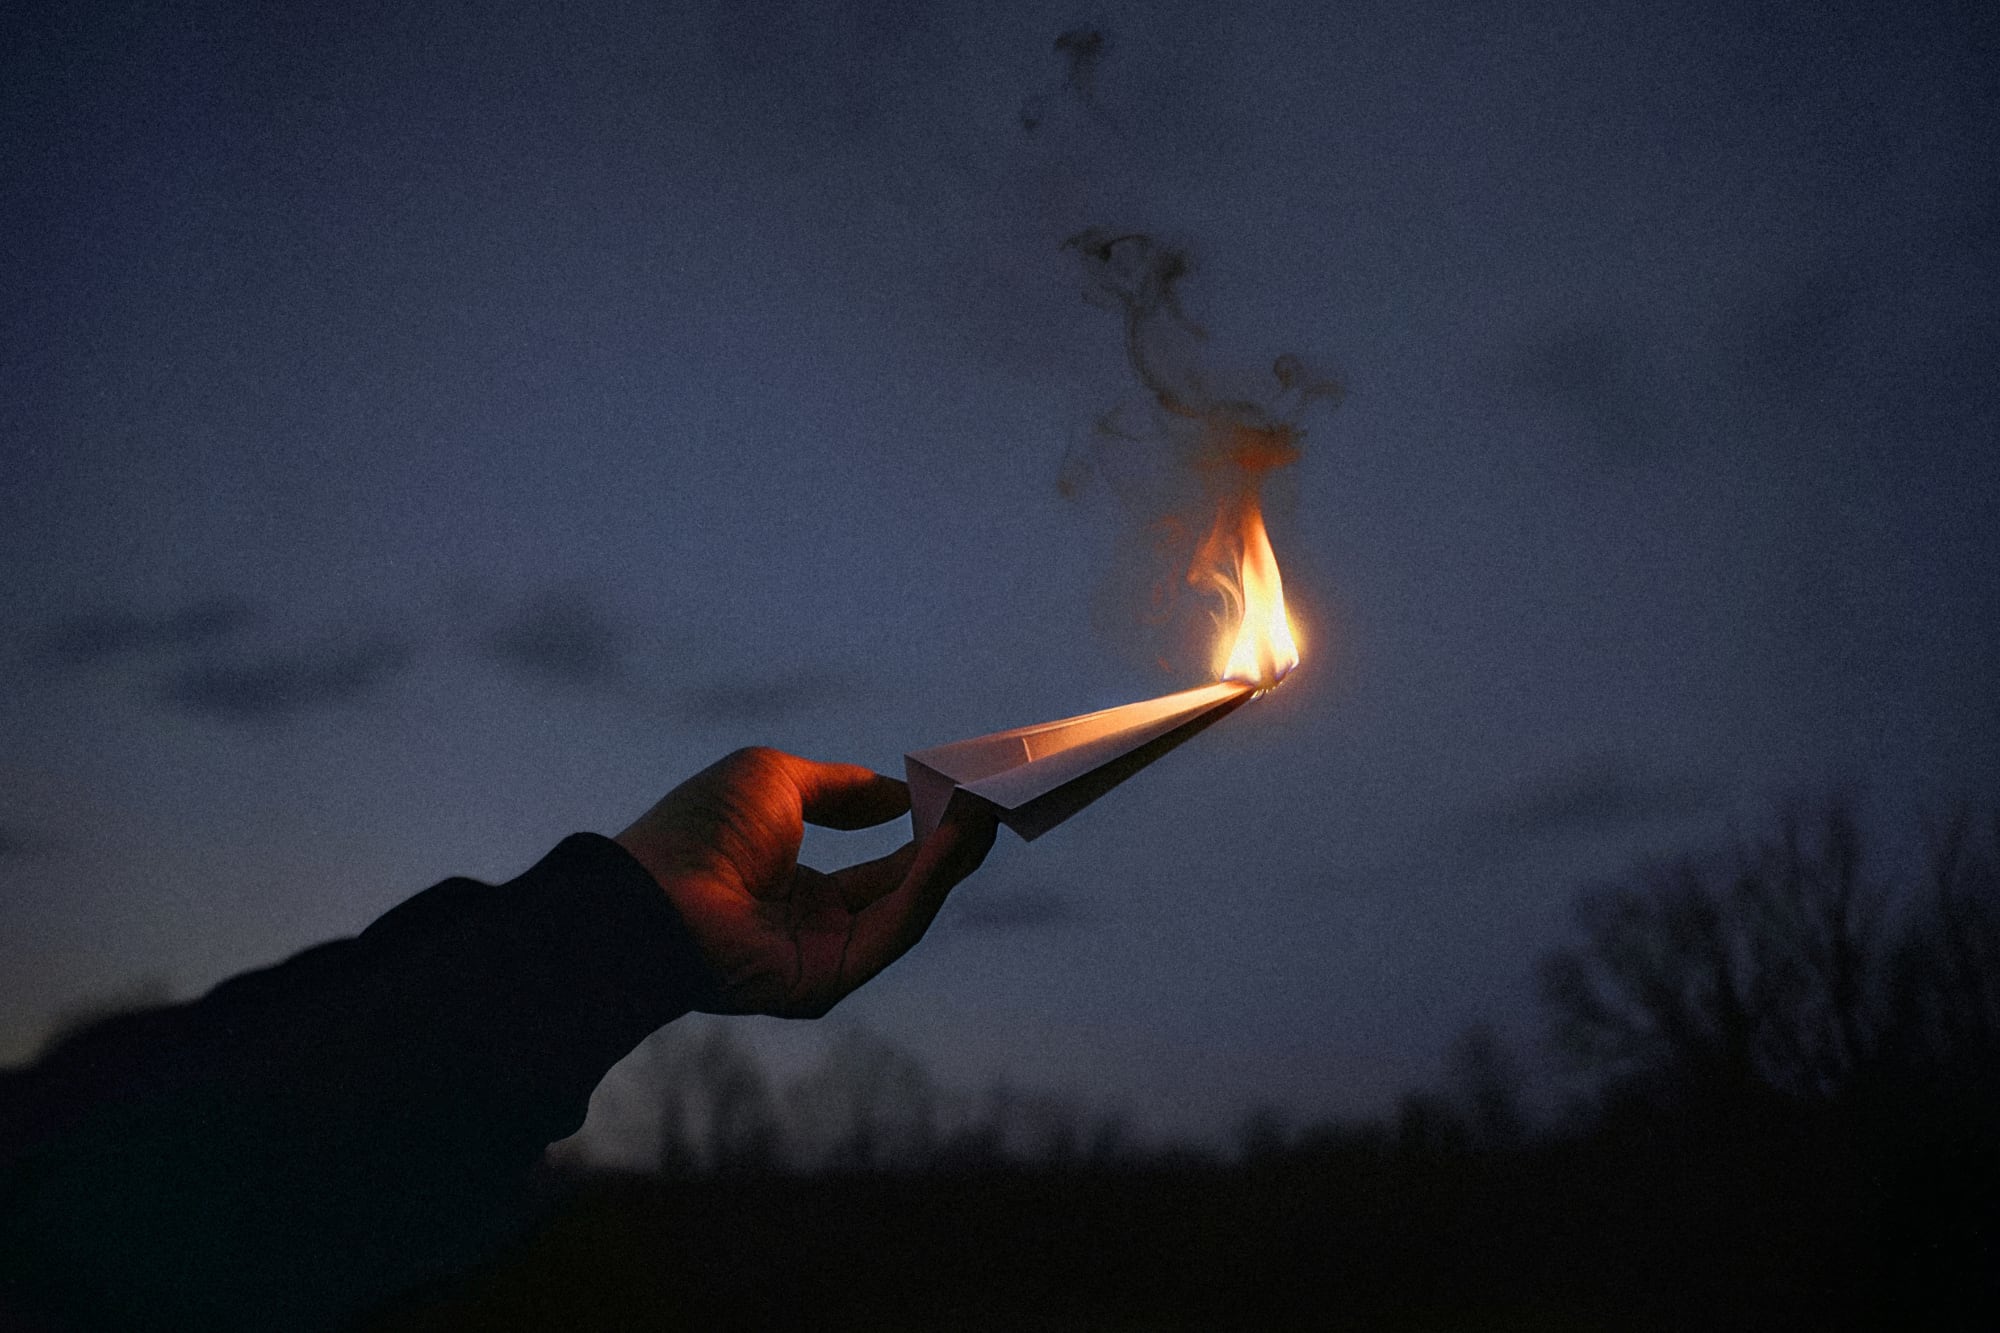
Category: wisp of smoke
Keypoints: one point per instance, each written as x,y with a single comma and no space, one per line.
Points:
1083,51
1190,455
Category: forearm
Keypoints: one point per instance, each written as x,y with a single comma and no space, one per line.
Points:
308,1137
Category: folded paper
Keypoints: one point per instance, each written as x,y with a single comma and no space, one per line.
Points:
1036,777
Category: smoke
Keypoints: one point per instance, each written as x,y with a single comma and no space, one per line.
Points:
1187,457
1083,51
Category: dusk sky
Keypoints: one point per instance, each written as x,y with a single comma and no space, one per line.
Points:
426,431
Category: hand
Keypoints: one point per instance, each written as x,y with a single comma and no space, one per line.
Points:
782,938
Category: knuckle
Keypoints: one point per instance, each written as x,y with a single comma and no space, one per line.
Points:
755,759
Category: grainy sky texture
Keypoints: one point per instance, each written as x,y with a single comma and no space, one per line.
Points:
429,430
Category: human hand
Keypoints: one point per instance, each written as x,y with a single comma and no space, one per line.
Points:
782,938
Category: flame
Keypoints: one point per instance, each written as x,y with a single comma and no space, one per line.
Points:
1266,649
1258,645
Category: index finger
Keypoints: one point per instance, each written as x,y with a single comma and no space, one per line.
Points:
846,796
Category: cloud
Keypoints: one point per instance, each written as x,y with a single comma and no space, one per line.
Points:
286,684
219,657
1589,804
1801,333
1591,374
816,73
561,640
95,636
766,699
1893,336
1597,794
1583,809
565,642
1020,910
15,844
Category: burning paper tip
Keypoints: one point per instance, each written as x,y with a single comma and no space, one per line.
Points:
1036,777
1264,648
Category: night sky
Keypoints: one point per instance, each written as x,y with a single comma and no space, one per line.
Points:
426,431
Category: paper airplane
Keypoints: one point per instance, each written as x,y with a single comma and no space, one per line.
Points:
1036,777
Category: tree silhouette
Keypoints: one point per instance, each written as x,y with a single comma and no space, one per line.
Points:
869,1105
716,1113
1485,1082
1789,968
1944,976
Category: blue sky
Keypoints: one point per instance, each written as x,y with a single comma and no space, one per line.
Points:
426,434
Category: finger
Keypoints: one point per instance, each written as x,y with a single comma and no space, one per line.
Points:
885,931
954,850
865,883
846,796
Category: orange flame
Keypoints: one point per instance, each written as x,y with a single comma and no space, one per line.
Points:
1257,641
1265,649
1258,644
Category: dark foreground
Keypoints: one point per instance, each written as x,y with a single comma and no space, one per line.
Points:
1651,1228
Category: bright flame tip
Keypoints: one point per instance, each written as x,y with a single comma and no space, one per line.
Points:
1264,649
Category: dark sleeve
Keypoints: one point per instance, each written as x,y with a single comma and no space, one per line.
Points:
311,1138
